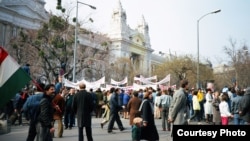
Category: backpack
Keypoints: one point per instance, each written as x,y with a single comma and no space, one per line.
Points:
31,107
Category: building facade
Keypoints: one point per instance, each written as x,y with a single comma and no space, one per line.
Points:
125,42
130,43
16,15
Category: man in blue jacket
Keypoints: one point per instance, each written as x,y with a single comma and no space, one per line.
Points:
114,110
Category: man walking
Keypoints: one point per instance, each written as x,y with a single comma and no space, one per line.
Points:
114,110
82,107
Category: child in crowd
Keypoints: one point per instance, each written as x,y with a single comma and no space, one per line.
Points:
196,107
136,129
224,110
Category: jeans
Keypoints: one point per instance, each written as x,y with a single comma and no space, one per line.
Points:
237,120
69,118
164,118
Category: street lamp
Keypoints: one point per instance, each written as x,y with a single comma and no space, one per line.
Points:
198,56
74,64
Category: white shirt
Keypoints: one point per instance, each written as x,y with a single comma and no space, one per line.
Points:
224,109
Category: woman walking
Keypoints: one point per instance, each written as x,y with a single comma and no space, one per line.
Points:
148,130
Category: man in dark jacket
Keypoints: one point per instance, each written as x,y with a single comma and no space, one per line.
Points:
69,114
45,118
82,107
114,109
244,108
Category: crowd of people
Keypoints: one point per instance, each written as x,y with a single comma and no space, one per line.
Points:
220,107
71,107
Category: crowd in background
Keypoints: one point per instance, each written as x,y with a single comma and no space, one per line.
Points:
141,107
220,107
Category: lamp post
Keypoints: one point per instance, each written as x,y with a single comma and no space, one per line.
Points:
76,33
198,56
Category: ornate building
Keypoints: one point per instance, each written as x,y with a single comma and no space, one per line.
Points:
131,43
20,14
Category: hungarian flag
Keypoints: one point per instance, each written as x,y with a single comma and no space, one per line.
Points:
12,77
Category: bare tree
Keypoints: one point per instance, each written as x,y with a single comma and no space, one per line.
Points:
50,49
239,63
183,67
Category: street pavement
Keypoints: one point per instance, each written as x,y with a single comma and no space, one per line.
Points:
19,133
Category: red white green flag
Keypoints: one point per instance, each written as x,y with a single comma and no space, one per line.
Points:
12,77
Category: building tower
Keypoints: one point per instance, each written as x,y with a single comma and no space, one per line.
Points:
130,43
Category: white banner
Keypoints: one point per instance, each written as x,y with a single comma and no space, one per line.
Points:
68,83
148,79
99,82
137,87
93,85
164,80
145,81
124,81
151,78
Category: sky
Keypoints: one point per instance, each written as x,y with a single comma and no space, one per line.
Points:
173,23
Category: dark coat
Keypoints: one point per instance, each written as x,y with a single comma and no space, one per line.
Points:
114,104
244,106
148,132
46,111
83,106
133,108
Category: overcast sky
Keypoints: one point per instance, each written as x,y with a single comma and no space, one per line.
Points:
173,23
